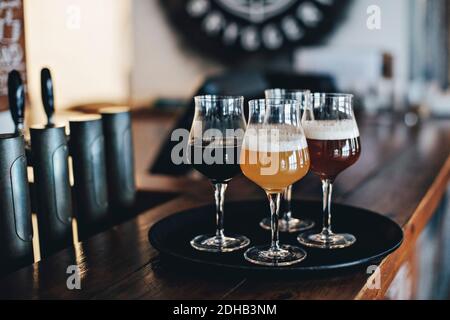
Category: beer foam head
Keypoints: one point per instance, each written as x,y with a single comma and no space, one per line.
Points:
274,139
331,130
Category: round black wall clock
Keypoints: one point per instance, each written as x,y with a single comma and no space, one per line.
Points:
230,28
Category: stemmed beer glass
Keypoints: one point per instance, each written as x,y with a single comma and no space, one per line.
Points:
287,222
274,156
334,145
215,143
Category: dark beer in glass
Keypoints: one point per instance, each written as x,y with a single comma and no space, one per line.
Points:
214,147
224,155
334,145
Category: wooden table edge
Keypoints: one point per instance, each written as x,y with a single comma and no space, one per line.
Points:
412,229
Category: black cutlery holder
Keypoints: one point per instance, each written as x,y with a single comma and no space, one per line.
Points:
16,232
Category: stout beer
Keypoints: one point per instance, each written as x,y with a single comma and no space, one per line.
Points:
218,160
216,157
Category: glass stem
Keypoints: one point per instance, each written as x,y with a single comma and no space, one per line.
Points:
219,194
287,213
274,200
327,188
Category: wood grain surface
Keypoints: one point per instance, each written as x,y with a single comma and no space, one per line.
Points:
402,173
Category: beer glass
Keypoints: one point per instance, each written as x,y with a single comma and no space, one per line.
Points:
287,222
214,146
334,145
274,156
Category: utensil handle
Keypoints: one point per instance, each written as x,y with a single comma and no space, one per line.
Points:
47,95
16,99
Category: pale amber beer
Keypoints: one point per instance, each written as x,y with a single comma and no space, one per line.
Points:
275,165
274,156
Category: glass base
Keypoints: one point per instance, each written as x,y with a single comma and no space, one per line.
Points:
321,241
289,226
212,243
287,256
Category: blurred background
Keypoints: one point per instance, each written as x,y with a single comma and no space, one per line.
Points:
157,54
393,54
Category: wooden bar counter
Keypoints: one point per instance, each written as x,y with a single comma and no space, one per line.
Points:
403,173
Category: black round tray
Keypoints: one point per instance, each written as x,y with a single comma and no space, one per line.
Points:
377,236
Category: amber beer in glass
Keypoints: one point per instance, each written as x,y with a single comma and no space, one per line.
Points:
288,222
334,145
291,166
274,156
